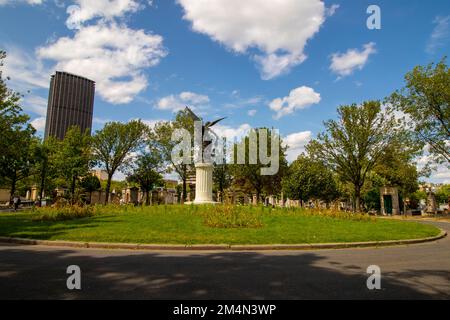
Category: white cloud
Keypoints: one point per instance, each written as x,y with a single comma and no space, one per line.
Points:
252,112
343,64
35,104
296,143
442,175
85,10
39,124
240,102
149,122
112,55
278,30
440,172
273,64
152,122
10,2
440,34
25,71
332,10
299,98
178,102
101,121
230,133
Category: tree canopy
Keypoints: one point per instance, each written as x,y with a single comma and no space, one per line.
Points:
308,178
248,177
147,173
73,157
356,142
162,144
18,140
425,100
112,146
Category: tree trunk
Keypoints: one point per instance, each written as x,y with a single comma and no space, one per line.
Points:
184,192
13,189
147,197
221,187
72,189
42,186
258,196
108,188
357,207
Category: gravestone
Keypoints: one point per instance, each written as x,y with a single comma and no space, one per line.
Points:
431,203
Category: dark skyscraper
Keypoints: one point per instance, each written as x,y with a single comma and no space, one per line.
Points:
70,103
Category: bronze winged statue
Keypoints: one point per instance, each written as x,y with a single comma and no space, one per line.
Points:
205,127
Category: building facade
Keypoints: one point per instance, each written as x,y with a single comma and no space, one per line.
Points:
102,175
70,103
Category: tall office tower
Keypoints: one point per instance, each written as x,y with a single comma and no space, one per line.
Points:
70,103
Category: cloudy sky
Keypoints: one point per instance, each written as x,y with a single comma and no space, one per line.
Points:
285,64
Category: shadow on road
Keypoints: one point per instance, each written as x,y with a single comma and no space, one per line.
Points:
29,274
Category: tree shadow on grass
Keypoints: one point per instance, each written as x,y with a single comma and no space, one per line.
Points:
29,273
46,230
22,226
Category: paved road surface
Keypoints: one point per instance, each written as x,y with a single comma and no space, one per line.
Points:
416,271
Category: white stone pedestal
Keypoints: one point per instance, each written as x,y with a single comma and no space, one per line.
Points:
203,183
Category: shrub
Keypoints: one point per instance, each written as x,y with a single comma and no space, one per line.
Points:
229,216
63,213
329,213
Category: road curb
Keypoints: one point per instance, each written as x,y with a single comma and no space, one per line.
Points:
215,247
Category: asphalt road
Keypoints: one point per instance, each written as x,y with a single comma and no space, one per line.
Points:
407,272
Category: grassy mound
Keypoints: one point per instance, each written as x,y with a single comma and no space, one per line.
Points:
205,225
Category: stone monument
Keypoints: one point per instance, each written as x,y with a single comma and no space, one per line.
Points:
431,202
203,169
389,201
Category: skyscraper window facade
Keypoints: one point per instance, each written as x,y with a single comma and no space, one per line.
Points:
70,103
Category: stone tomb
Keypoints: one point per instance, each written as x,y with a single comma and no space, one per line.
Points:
389,201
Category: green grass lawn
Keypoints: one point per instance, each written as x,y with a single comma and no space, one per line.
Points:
186,225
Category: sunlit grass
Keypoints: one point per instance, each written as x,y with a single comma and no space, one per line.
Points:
191,224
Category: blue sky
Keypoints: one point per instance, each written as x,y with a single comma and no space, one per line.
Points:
285,64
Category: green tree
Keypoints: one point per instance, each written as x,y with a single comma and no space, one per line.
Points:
355,143
147,173
397,168
18,141
90,183
416,197
425,100
17,162
248,176
45,170
221,177
73,158
162,144
308,179
113,144
443,194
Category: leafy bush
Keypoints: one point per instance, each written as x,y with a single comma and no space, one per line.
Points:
330,213
216,216
63,213
229,216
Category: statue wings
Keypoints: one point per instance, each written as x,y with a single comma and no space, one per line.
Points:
208,124
192,114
